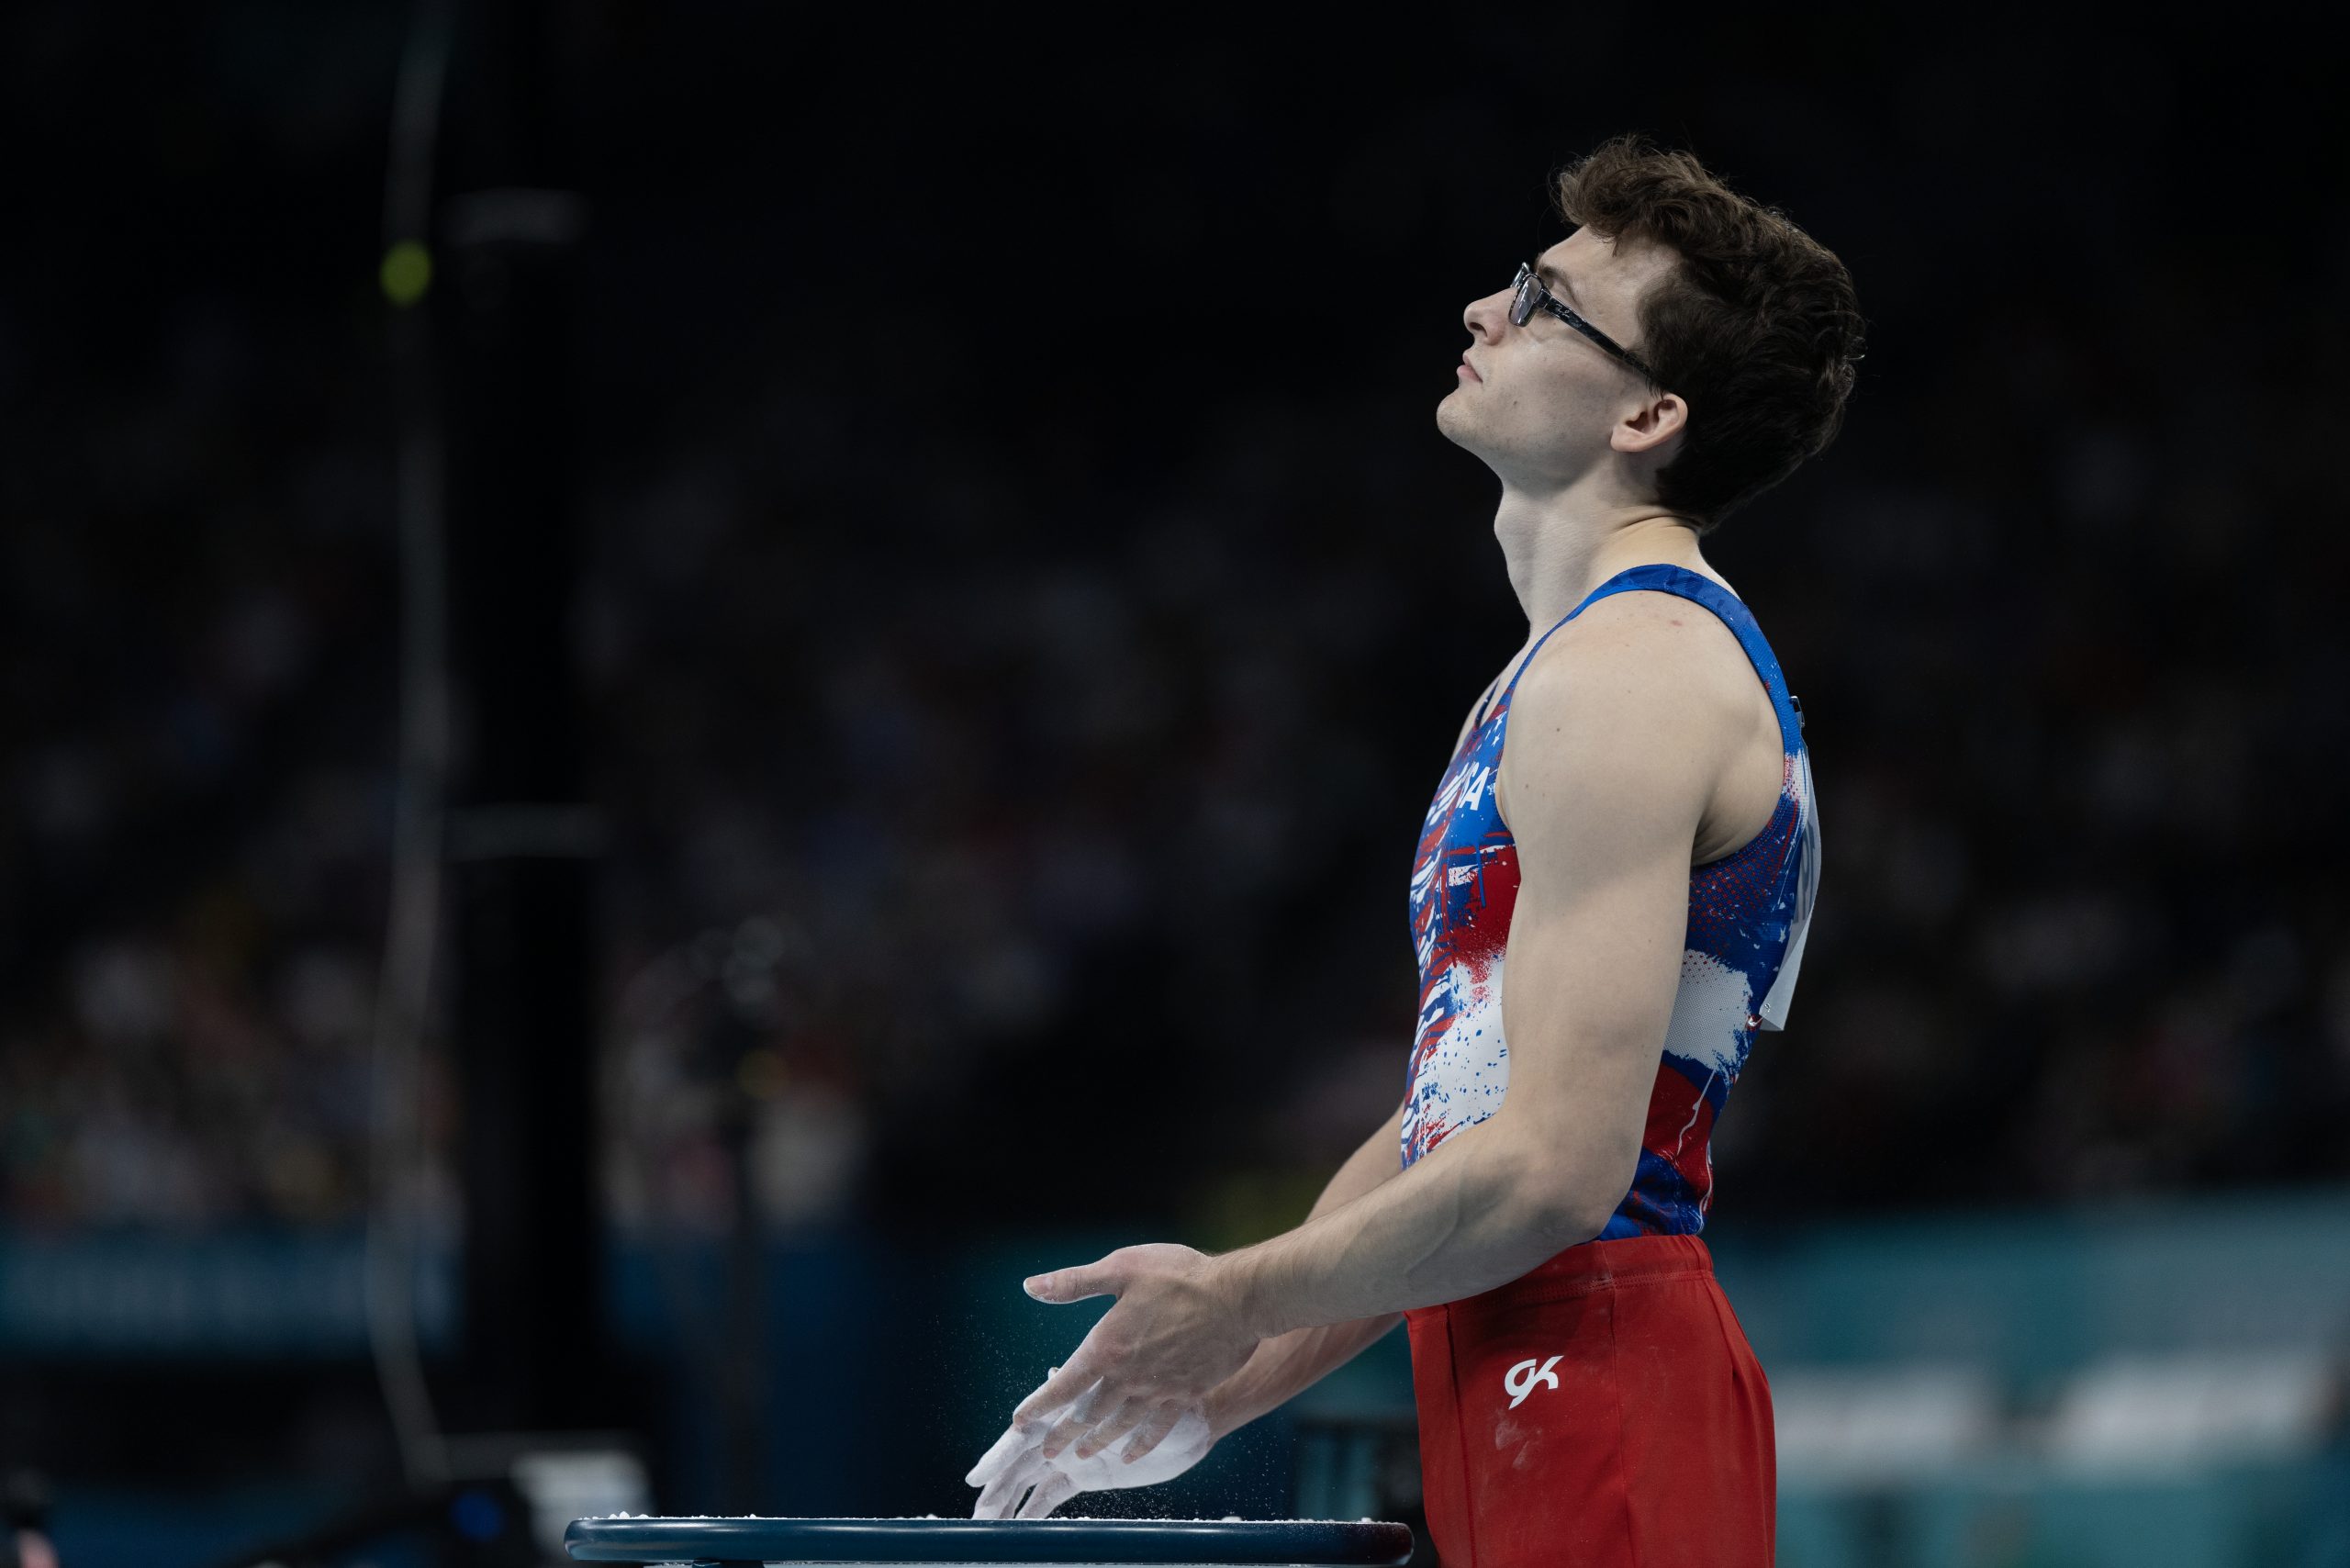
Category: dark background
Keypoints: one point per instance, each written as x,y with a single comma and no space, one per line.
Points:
1019,604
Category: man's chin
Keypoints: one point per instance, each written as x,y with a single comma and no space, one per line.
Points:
1453,421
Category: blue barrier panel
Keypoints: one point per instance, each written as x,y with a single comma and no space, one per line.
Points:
280,1294
2030,1292
121,1527
2038,1294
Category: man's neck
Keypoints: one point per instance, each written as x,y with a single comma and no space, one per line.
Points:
1560,547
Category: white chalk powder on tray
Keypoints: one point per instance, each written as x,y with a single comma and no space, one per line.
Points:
913,1518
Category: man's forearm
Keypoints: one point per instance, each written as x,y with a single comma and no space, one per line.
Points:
1290,1363
1477,1211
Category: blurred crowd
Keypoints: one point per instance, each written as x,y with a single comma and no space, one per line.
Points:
1012,803
198,641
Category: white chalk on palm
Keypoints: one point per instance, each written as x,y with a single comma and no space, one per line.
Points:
1016,1463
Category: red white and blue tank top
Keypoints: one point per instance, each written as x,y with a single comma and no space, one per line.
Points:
1748,914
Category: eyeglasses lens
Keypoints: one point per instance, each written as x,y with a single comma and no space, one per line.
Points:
1521,305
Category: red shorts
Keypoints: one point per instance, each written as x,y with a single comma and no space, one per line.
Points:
1602,1411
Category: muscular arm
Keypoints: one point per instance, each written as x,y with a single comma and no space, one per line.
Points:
1287,1364
1611,767
1613,759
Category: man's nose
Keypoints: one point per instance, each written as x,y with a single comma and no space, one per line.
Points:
1484,318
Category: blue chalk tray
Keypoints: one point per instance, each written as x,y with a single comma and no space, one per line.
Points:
1364,1544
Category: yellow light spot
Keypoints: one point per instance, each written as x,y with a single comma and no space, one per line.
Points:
761,1073
406,273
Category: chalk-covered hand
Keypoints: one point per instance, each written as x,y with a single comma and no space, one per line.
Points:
1174,1334
1016,1481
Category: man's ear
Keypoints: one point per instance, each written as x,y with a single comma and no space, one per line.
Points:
1651,426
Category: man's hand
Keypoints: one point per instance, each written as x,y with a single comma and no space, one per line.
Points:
1141,1375
1017,1481
1174,1335
1140,1379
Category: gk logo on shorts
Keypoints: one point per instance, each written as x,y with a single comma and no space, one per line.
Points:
1519,1381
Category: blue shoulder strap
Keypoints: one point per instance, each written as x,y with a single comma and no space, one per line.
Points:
1679,580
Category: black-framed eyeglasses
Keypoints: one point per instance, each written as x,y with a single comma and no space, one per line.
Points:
1529,295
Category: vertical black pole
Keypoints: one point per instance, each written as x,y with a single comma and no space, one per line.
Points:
518,839
743,1396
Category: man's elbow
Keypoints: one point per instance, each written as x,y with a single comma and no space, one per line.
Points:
1569,1206
1587,1219
1564,1195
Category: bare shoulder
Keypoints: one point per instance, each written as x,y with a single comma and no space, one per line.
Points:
1635,710
1642,714
1649,657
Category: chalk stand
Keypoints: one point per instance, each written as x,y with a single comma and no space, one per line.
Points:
904,1544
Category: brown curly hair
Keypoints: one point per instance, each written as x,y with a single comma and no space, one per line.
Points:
1757,328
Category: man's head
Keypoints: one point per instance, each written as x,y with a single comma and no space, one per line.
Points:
1749,326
